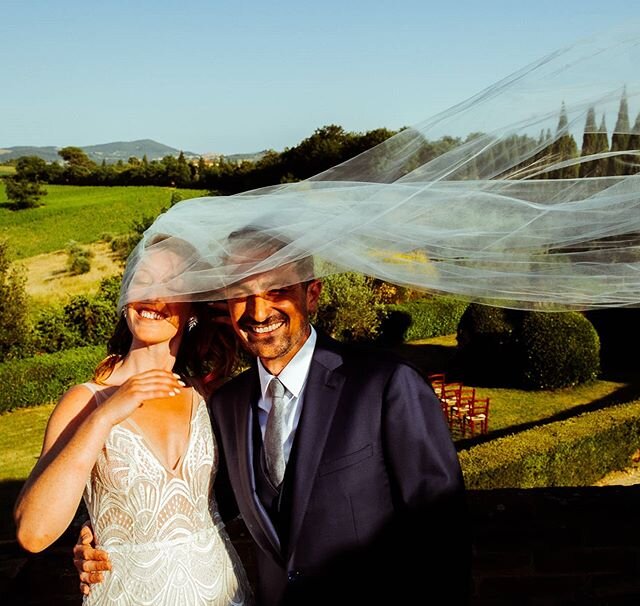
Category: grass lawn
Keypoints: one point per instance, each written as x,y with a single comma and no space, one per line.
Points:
21,433
7,170
514,409
83,214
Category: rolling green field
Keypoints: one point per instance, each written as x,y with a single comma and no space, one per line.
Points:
83,214
6,170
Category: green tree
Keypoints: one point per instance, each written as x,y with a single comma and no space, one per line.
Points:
564,148
632,161
620,138
594,141
31,168
22,193
79,167
14,325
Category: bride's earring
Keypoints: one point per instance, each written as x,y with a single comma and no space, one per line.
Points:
192,322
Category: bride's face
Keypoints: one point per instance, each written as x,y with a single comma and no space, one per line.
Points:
155,320
152,322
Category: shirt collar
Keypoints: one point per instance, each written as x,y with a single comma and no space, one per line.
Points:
294,374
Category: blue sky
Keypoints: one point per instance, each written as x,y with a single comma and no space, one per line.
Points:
246,75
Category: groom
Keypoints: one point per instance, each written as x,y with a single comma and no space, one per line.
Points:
370,508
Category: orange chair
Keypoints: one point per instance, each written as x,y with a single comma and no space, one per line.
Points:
465,398
477,417
450,395
437,381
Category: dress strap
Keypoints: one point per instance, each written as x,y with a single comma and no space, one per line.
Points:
98,394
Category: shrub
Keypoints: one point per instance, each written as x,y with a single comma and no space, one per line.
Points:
558,350
14,324
23,193
83,321
530,350
575,452
78,258
93,318
52,333
421,319
44,378
349,308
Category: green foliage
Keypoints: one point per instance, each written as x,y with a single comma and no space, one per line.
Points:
575,452
44,378
78,258
83,321
31,168
14,324
349,307
23,193
123,245
421,319
533,350
558,350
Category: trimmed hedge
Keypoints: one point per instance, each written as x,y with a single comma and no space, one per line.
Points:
44,378
575,452
421,319
526,349
559,350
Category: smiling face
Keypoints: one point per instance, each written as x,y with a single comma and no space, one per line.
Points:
152,322
272,321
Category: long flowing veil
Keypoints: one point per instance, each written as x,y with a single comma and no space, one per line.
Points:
535,205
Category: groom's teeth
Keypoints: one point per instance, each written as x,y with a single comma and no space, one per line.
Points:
264,329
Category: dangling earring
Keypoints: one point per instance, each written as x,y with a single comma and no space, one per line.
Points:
124,311
192,322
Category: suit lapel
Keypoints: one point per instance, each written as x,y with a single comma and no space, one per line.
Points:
321,396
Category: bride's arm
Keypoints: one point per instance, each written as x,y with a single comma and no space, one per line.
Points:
73,439
50,497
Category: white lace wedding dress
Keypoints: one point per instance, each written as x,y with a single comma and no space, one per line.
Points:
161,527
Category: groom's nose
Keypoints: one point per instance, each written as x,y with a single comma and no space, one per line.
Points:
258,308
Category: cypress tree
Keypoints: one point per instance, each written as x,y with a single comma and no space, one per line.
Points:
632,161
620,137
589,142
564,148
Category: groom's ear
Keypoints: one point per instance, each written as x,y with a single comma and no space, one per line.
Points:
314,288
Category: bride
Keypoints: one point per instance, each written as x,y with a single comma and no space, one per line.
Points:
136,441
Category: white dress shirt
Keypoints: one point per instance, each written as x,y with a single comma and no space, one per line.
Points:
294,377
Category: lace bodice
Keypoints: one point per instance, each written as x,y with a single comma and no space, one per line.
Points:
160,526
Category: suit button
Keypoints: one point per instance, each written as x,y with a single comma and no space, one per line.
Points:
293,576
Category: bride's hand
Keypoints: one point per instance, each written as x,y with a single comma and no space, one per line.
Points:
146,385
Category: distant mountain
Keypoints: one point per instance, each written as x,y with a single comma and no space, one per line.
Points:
110,152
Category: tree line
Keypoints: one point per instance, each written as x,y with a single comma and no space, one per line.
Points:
331,145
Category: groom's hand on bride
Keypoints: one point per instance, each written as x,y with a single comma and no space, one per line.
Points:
89,562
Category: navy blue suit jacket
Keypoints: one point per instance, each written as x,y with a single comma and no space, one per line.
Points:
374,490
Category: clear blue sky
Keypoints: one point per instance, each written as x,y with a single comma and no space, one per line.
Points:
245,75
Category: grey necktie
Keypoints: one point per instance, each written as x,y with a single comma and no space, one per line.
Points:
274,433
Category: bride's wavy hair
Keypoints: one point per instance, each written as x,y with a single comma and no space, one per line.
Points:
208,351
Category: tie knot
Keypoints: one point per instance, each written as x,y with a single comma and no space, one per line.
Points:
276,388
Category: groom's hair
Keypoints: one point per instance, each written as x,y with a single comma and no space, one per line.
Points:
253,244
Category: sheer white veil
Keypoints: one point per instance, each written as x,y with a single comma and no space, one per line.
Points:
510,216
